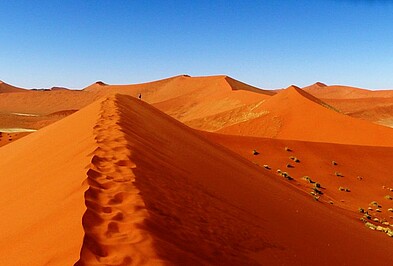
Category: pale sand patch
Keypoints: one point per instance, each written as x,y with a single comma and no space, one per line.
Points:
23,114
14,130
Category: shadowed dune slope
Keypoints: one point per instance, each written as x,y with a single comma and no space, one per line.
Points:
295,114
363,168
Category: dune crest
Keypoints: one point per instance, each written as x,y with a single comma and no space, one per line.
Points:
297,115
7,88
112,221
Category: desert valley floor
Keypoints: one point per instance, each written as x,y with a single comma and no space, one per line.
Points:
199,171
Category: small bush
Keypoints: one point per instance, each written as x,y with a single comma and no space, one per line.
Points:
345,189
318,191
388,197
308,179
338,174
374,203
286,175
266,166
288,149
255,152
334,163
361,210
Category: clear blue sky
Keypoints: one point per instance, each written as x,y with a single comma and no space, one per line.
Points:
270,44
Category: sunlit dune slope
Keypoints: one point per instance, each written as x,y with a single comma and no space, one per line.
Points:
324,91
42,181
45,102
295,114
160,193
374,106
187,98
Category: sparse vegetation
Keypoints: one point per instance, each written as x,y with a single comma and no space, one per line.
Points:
288,149
296,160
374,203
255,152
361,210
390,209
289,165
266,166
308,179
388,197
286,175
379,228
344,189
317,191
334,163
338,174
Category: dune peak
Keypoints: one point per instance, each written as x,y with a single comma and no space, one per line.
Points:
320,84
101,83
293,87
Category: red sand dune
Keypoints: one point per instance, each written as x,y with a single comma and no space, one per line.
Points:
6,88
295,114
374,106
187,98
45,102
324,91
160,193
364,168
183,97
7,138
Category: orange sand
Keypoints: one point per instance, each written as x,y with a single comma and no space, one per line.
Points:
120,182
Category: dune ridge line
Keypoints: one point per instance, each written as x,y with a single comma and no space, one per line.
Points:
114,209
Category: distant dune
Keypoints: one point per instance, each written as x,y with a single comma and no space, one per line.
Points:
295,114
199,171
6,88
159,193
324,91
374,106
